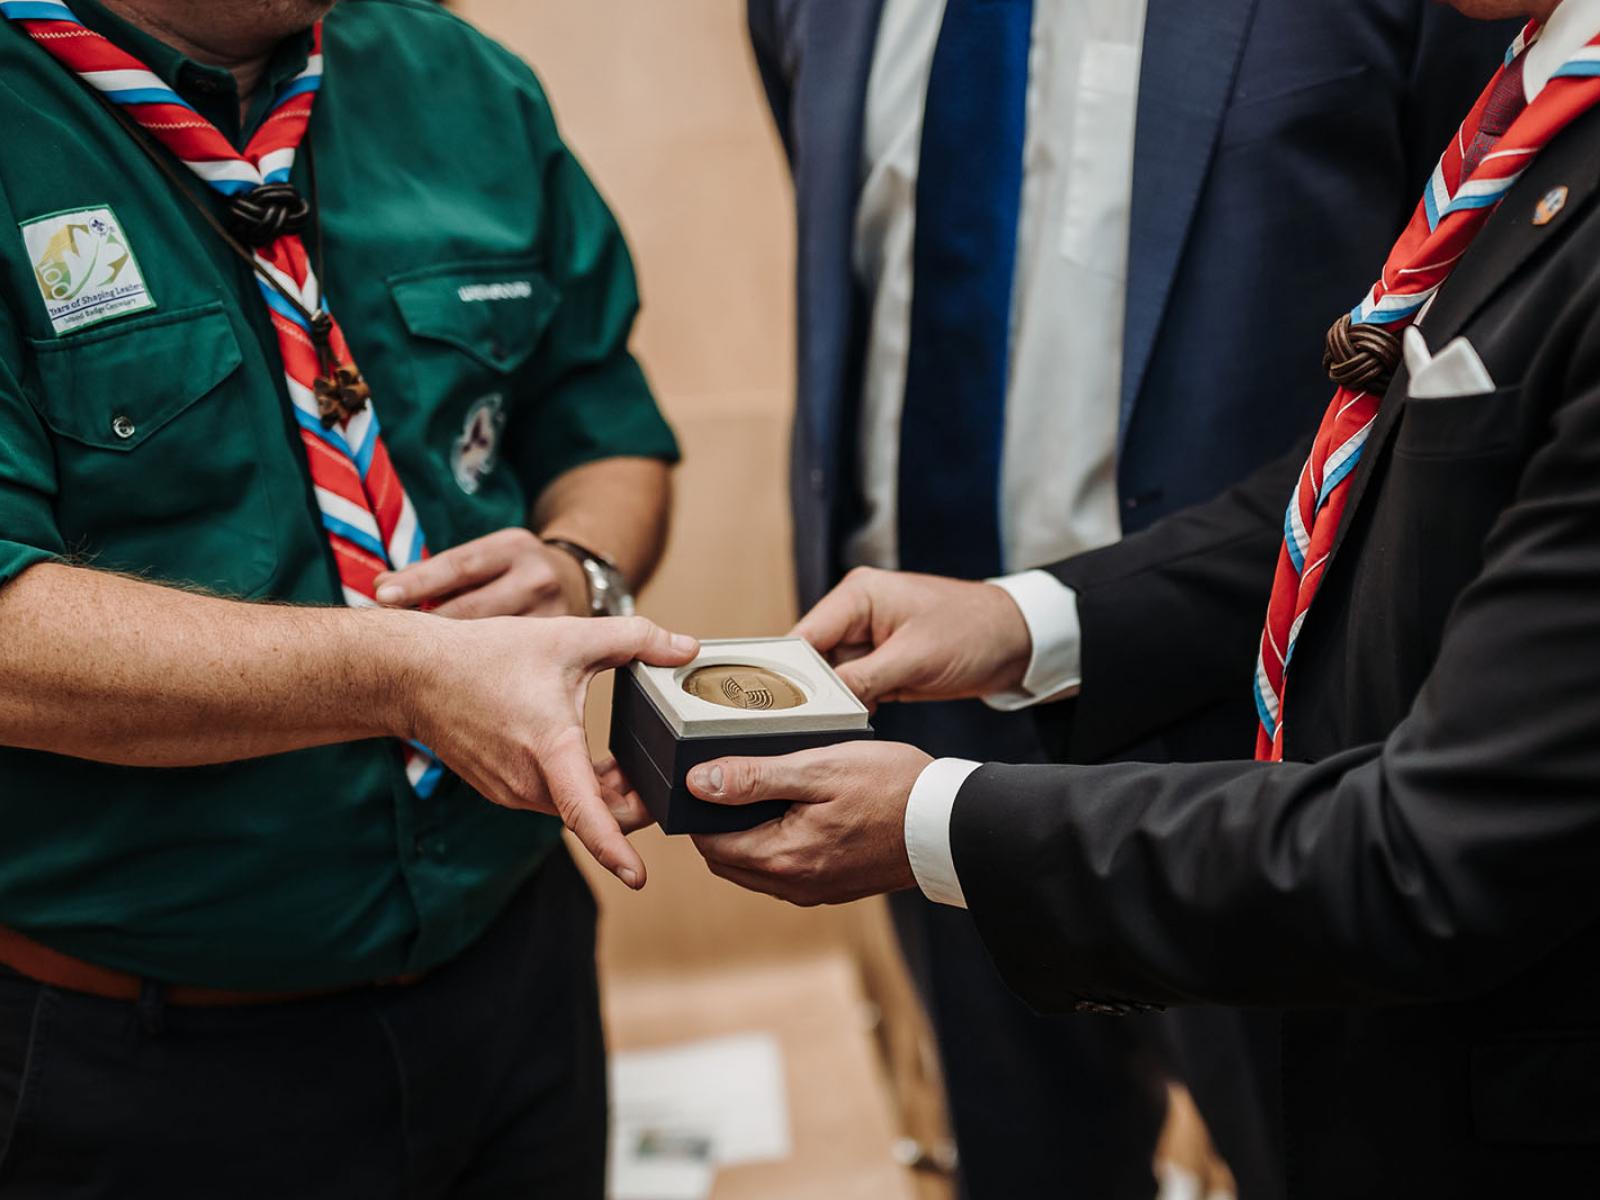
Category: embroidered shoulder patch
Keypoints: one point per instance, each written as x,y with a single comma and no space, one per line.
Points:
85,268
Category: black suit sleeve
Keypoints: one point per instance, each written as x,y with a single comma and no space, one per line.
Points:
1170,617
767,44
1434,865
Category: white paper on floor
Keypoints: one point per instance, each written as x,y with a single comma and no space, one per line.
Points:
680,1112
649,1162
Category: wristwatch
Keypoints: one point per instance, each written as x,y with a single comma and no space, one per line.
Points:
609,595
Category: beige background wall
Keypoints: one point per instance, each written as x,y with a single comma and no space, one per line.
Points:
660,102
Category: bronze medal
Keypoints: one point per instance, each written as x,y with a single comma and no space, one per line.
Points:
738,685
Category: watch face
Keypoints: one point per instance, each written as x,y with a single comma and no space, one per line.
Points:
736,685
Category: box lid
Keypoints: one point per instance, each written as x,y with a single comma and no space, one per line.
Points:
827,705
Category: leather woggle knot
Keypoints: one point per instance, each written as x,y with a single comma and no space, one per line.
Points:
266,213
1361,358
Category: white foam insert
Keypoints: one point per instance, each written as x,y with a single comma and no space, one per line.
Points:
829,705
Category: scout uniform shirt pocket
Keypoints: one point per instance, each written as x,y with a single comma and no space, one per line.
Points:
494,313
159,469
474,327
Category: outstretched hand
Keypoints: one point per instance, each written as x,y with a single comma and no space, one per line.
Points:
898,636
501,701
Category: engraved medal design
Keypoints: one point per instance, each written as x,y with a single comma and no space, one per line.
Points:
737,685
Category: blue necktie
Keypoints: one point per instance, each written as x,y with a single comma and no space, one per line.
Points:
969,192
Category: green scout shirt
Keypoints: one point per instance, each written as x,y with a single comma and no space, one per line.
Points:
483,285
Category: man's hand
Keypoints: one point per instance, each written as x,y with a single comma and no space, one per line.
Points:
843,839
510,573
626,805
500,701
897,636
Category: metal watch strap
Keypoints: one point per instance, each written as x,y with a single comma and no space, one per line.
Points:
608,589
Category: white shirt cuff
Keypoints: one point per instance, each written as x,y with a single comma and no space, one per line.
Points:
1050,609
933,799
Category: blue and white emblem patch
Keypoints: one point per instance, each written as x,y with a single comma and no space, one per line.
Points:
477,450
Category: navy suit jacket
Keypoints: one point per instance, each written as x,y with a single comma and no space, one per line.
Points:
1281,146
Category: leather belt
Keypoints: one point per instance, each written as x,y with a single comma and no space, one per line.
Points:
41,964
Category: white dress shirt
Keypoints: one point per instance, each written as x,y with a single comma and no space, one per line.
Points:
1051,609
1058,466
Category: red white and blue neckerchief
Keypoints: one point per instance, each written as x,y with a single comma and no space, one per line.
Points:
1452,211
370,524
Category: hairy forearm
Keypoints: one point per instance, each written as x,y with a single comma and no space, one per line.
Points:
617,507
103,667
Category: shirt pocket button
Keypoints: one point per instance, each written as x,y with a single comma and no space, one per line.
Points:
123,427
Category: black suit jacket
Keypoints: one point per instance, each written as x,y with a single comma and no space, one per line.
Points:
1420,884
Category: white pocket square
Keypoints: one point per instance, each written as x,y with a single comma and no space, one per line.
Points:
1454,371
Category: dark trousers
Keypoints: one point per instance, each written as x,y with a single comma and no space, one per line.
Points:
485,1079
1059,1107
1229,1058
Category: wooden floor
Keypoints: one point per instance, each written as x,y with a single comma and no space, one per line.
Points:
660,101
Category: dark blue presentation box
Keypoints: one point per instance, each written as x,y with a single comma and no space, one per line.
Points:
659,731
